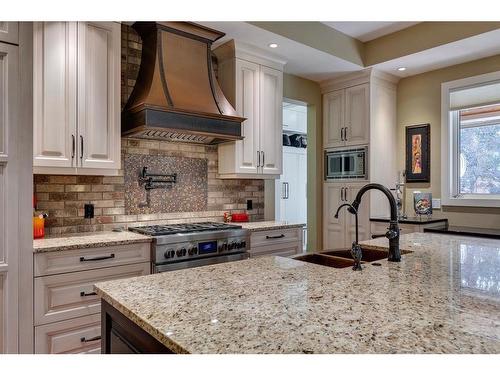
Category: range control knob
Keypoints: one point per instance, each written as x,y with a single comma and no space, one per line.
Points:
181,252
243,244
169,253
232,245
224,246
193,251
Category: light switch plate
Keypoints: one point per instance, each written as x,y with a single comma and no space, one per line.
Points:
436,203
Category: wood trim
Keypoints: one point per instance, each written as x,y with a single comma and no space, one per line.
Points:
132,339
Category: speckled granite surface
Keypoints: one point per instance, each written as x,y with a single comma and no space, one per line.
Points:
82,241
442,298
269,225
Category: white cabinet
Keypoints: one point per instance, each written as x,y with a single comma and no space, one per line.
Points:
294,117
9,32
255,87
271,112
346,118
341,232
76,77
333,119
99,127
276,242
66,308
9,196
292,186
54,94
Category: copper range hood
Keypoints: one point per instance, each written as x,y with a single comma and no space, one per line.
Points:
176,96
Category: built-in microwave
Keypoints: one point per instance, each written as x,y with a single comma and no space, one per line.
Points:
346,164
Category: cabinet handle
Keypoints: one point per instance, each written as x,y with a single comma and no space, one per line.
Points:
263,163
73,146
258,159
345,133
341,194
95,338
81,147
83,259
342,134
275,237
84,294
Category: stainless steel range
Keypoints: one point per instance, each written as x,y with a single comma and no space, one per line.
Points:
178,246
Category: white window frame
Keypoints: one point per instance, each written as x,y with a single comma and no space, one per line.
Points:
449,148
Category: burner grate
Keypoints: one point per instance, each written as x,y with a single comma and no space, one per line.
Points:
161,230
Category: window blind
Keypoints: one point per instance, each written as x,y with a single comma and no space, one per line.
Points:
475,96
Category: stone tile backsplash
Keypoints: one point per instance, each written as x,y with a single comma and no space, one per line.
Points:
63,197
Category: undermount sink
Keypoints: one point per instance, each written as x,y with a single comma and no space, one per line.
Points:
325,260
343,258
369,255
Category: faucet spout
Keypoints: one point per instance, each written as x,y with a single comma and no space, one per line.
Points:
393,232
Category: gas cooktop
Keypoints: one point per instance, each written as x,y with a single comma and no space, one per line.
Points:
163,230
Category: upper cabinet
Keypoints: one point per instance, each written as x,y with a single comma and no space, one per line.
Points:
76,97
346,116
9,32
254,86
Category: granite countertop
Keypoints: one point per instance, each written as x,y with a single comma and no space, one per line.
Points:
85,240
466,231
442,298
256,226
412,220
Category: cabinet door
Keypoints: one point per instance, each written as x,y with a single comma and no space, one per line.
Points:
364,229
54,94
333,229
247,106
9,32
357,114
271,112
99,131
333,118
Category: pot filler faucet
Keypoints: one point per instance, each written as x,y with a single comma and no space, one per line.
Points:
393,232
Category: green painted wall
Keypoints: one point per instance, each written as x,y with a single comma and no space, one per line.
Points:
308,91
419,101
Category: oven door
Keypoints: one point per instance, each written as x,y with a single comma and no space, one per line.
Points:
198,262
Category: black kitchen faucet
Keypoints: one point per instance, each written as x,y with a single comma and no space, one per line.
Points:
393,230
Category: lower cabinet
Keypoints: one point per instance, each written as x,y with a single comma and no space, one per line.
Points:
339,233
67,315
281,242
80,335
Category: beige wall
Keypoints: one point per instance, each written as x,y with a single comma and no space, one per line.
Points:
419,101
308,91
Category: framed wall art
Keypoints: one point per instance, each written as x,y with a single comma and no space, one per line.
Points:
418,153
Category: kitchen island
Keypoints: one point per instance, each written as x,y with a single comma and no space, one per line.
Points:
444,297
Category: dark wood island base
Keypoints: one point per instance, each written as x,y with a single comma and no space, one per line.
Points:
119,335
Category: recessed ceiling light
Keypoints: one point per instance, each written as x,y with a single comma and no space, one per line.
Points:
402,69
273,45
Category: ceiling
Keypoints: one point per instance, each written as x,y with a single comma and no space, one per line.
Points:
366,31
317,65
469,49
314,64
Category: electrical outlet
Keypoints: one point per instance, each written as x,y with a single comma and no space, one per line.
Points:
89,211
249,204
436,203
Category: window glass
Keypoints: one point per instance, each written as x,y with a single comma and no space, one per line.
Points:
479,145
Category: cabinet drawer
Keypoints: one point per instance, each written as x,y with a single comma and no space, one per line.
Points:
59,297
70,336
272,237
56,262
283,250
